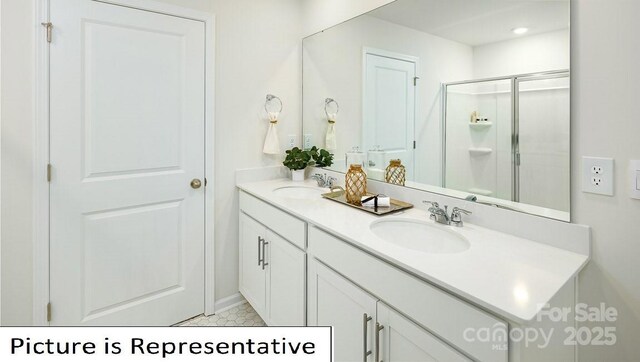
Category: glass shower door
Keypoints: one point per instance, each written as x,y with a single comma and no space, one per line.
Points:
478,129
543,129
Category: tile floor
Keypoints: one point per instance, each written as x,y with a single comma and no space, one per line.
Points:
238,316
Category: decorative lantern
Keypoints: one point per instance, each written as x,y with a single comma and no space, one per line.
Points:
395,173
355,184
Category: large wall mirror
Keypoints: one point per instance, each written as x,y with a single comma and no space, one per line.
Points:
472,96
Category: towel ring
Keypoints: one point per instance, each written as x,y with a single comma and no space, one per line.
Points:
327,102
270,98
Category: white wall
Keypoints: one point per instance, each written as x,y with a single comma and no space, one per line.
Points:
321,14
258,52
605,93
16,152
528,54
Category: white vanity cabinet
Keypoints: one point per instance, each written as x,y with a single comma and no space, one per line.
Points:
253,276
334,301
434,319
382,304
402,340
272,268
366,329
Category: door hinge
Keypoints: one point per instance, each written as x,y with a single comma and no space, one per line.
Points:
414,145
49,27
49,172
49,312
415,81
518,159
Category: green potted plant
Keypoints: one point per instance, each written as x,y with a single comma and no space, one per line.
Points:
321,157
297,160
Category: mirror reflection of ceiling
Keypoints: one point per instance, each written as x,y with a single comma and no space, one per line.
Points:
459,20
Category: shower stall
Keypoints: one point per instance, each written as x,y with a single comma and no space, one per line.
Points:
508,138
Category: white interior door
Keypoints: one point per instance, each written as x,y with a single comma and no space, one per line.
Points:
127,138
389,108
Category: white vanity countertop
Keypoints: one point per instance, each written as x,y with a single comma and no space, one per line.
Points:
510,276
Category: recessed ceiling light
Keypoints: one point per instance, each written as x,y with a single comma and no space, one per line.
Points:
520,31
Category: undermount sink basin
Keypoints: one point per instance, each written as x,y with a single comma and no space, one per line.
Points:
421,236
298,192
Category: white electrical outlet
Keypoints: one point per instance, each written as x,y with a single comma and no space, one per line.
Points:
597,175
292,140
307,141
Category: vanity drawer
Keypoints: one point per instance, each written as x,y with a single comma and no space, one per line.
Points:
283,224
438,311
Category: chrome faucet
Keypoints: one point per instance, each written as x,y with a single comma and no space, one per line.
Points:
441,216
324,180
437,214
456,216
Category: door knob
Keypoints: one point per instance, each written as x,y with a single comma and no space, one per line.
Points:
196,183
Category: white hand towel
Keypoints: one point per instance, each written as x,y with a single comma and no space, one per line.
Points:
330,140
383,201
271,143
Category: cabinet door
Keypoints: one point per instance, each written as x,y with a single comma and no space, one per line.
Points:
402,340
334,301
253,280
286,282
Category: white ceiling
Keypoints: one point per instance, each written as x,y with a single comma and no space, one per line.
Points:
477,22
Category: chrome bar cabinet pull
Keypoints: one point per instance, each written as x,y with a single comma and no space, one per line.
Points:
264,244
379,327
365,324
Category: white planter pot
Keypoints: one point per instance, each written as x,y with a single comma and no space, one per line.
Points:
297,175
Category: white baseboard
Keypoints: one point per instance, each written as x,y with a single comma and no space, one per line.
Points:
229,302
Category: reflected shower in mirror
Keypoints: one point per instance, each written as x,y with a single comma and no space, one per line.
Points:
471,96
